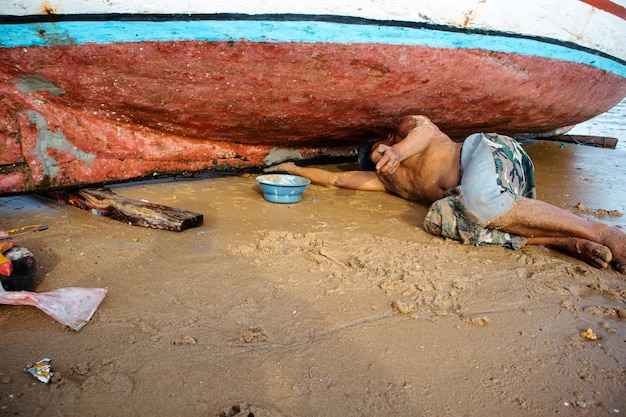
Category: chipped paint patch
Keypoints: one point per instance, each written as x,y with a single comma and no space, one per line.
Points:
30,83
56,38
277,155
48,139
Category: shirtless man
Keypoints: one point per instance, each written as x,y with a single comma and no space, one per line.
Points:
480,191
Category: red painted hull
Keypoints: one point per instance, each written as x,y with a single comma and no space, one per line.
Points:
107,113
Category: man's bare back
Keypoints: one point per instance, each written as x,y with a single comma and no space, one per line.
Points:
430,165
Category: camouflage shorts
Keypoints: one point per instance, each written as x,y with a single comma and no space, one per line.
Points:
512,173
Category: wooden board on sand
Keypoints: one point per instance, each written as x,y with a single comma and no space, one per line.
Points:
104,202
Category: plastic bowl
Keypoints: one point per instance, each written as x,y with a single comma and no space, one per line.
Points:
282,188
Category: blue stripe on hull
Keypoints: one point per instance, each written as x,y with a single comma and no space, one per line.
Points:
113,31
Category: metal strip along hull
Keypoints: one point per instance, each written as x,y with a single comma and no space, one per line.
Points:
103,98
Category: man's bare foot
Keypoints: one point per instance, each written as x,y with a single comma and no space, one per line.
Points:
585,250
615,240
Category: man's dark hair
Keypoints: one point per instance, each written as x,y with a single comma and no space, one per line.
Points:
363,152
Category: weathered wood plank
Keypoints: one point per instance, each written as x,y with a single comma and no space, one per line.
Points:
104,202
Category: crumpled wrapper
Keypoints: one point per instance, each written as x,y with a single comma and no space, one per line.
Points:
41,370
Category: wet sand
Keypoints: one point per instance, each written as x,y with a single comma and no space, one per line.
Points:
340,304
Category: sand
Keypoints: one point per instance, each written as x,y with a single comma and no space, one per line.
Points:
339,305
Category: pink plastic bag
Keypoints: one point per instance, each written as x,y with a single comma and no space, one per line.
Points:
72,306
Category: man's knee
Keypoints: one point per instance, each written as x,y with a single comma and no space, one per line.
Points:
441,219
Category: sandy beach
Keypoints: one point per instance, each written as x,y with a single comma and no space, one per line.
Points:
339,305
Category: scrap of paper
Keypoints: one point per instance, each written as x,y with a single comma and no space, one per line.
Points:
41,370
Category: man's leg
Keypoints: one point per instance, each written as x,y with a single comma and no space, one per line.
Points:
538,219
444,220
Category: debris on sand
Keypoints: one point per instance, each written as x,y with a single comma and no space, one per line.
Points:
588,334
580,208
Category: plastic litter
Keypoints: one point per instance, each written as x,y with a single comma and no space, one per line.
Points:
71,306
41,370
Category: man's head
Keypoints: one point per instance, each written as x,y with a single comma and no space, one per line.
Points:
366,151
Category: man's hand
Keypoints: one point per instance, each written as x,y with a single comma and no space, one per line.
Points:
284,167
389,161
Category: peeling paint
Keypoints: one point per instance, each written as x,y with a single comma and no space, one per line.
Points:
509,65
56,38
47,139
277,155
29,83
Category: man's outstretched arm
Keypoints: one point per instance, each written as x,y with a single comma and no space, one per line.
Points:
353,180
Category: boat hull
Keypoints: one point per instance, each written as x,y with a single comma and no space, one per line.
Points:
81,113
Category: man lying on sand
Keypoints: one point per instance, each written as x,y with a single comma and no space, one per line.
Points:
480,191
